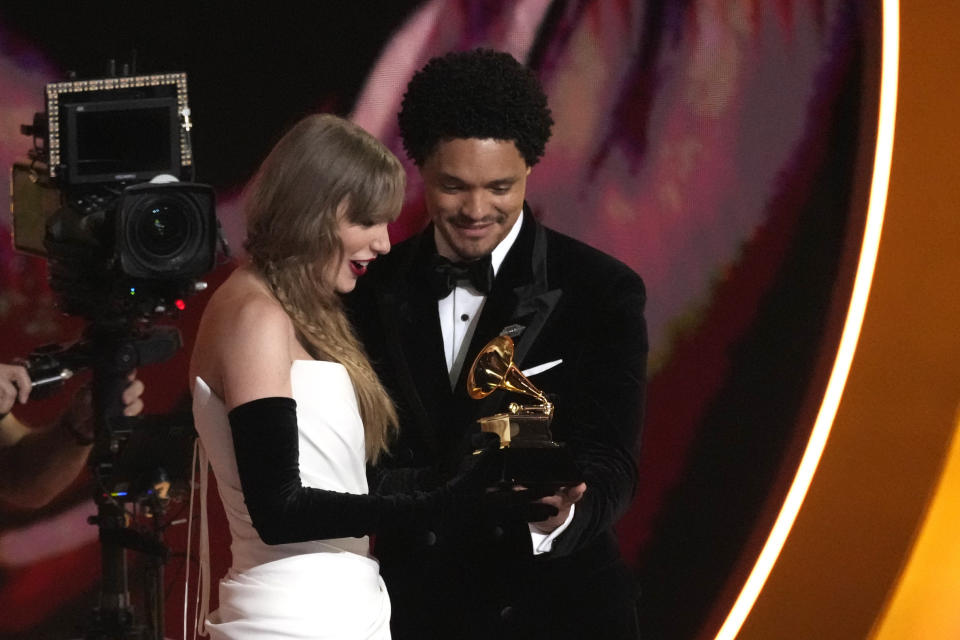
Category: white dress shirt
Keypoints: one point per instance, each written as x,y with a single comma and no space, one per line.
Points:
458,320
462,306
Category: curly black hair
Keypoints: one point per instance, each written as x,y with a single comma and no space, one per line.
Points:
474,94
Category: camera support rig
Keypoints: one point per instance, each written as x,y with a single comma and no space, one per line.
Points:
112,350
118,353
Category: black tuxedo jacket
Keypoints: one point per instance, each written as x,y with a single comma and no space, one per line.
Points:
573,303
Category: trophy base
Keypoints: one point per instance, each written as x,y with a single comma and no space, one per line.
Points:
527,455
538,467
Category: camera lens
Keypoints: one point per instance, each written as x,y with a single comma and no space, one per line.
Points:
165,231
162,228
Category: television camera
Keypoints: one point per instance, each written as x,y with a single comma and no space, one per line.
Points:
107,197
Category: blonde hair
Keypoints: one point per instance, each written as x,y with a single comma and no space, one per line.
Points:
322,167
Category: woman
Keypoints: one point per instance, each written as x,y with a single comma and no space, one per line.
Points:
287,406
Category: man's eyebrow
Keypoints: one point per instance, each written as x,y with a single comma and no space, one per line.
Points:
505,182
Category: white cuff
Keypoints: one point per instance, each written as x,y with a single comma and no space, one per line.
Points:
543,542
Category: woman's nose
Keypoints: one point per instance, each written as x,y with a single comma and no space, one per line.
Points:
381,241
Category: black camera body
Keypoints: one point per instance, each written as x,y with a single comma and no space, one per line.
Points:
133,253
107,197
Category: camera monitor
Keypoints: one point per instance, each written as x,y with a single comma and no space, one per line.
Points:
121,140
118,130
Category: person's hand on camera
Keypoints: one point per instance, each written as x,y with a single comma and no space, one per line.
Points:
37,464
132,396
78,419
14,386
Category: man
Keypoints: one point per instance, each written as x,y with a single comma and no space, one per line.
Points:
37,464
475,124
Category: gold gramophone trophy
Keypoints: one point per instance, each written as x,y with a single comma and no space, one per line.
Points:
529,456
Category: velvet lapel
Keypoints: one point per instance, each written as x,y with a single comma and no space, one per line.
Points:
408,310
521,296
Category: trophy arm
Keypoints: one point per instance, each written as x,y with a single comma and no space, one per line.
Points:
544,409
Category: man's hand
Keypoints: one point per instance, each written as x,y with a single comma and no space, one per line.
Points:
563,499
14,386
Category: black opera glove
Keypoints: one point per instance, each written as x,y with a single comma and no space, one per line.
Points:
266,443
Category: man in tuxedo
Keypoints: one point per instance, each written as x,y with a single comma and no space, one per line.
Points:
475,124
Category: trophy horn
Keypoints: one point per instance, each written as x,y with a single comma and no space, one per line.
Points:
493,369
527,455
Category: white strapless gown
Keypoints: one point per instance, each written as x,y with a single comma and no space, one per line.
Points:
317,589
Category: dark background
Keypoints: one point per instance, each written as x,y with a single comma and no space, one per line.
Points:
252,72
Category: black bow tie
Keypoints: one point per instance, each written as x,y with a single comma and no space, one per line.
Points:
445,275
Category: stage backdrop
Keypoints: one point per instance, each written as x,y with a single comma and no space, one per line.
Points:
718,148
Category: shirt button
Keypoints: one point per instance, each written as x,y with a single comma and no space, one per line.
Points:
464,317
507,613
